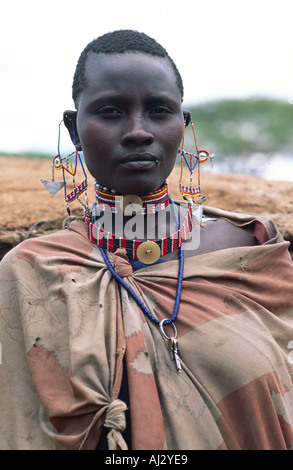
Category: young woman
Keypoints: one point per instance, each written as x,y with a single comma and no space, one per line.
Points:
142,330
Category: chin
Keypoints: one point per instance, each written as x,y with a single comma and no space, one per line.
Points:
138,184
140,189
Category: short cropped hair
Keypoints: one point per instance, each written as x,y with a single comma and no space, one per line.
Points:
119,42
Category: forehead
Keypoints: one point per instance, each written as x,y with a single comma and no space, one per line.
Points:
130,69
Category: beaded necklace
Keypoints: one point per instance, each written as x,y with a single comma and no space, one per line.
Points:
108,241
110,200
172,341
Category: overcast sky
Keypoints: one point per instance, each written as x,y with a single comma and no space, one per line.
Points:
223,49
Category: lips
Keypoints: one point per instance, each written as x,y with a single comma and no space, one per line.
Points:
139,157
140,161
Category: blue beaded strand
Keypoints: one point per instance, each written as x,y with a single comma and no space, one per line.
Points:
137,299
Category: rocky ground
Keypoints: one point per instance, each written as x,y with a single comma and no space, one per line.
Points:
25,202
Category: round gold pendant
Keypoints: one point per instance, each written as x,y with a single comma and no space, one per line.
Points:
148,252
130,204
57,163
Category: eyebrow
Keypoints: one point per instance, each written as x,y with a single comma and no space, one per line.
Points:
154,100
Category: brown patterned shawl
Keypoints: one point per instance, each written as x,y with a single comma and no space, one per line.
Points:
64,332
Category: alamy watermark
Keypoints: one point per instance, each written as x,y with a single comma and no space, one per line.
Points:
134,224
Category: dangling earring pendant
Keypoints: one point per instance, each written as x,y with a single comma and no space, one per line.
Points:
65,164
190,192
68,167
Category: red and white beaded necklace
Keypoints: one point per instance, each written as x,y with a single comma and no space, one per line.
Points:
146,251
110,200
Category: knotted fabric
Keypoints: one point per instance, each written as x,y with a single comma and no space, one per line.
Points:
121,264
116,422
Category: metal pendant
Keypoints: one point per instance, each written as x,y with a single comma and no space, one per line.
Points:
131,204
148,252
173,345
52,186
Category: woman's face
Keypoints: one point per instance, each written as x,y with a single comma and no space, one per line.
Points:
130,121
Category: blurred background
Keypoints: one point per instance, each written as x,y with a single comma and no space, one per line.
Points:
235,58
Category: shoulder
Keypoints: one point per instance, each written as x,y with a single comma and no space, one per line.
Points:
68,244
263,227
223,229
219,234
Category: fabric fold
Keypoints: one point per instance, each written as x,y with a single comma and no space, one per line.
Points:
116,422
65,330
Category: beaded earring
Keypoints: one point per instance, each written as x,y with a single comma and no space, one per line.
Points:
194,161
68,165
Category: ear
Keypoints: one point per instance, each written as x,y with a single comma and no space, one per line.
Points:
187,116
69,118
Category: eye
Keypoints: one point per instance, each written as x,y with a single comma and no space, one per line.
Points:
109,111
160,111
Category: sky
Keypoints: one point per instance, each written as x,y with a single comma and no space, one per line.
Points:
222,48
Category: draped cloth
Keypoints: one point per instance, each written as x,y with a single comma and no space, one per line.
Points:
66,330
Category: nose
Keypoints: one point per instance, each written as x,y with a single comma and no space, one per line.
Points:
136,132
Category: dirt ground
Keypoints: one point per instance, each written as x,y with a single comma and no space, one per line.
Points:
25,202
